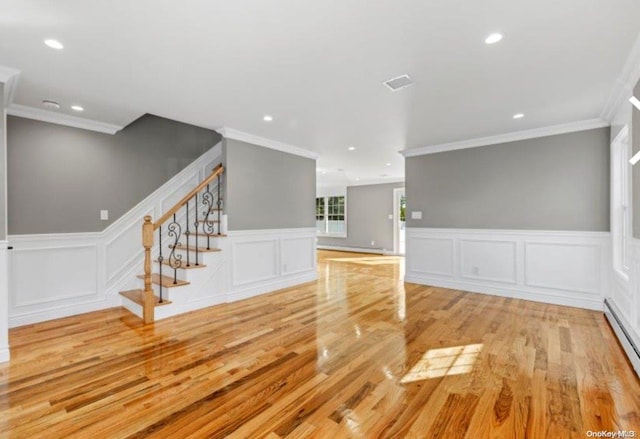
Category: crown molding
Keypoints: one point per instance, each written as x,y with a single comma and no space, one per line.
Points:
62,119
623,87
552,130
376,181
9,77
230,133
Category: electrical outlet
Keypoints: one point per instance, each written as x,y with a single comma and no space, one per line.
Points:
416,214
476,270
104,215
373,243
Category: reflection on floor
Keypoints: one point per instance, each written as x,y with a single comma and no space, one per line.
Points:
357,354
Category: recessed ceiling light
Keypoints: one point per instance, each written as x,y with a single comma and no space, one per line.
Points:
387,164
351,148
518,116
54,44
77,108
267,118
357,178
323,172
493,38
53,105
399,82
634,100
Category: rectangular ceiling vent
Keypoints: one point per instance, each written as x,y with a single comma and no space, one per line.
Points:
399,83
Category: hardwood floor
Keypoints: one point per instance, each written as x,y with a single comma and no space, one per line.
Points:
356,354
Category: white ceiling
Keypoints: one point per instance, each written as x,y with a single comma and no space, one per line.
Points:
318,67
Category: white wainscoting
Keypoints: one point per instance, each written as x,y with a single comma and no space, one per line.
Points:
4,299
261,261
564,268
57,275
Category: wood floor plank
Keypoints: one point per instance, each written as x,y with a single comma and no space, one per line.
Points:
357,353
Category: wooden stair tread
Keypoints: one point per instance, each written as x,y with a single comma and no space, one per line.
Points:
200,249
165,281
137,296
184,265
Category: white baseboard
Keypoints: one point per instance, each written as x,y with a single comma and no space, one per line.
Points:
559,267
5,354
514,293
269,287
376,251
63,311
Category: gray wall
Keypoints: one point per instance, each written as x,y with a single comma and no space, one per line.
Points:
3,176
267,189
550,183
368,210
635,173
61,177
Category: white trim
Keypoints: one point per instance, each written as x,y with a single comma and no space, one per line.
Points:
9,77
341,248
376,181
397,195
261,232
506,291
4,302
623,87
230,133
507,232
62,119
552,130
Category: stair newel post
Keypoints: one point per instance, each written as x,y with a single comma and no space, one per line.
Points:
147,243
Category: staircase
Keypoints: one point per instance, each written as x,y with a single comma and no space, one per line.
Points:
182,254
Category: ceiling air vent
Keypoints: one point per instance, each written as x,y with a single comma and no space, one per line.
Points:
399,83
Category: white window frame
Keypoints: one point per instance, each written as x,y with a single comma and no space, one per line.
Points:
326,216
620,203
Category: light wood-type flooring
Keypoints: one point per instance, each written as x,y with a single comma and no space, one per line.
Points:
356,354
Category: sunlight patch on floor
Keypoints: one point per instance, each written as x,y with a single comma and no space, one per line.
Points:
437,363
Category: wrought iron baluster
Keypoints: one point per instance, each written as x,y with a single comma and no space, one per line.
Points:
186,234
175,260
160,260
219,204
196,228
208,227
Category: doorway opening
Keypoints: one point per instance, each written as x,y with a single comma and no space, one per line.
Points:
399,217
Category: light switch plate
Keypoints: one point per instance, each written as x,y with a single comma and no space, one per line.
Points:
417,214
104,215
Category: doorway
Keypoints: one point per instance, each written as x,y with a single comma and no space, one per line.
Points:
399,217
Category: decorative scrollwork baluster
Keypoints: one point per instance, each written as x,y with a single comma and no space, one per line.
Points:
175,260
186,234
219,204
208,226
195,224
160,260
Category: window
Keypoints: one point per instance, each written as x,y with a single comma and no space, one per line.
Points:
330,216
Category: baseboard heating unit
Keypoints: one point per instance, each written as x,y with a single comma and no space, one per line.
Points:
630,345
